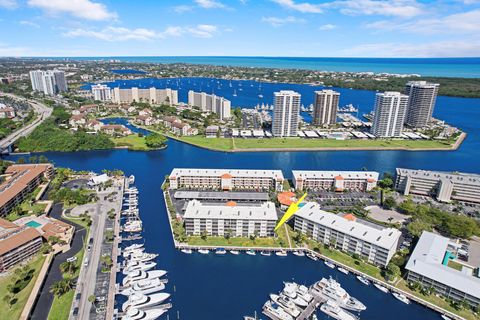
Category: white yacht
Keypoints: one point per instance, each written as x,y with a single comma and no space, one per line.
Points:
250,252
133,226
290,289
144,286
133,247
131,179
312,256
137,314
287,304
332,290
401,297
138,300
281,253
138,275
363,280
343,270
220,251
235,252
329,264
381,288
332,309
127,253
187,251
204,251
277,311
142,266
298,253
266,253
143,257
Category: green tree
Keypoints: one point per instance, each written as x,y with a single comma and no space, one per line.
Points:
68,267
392,271
385,183
389,203
155,140
61,287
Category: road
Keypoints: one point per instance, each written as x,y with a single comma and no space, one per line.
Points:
40,109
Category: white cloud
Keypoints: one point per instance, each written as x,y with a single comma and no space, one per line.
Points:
8,4
210,4
277,22
84,9
182,8
303,7
327,27
460,48
8,51
394,8
29,23
202,30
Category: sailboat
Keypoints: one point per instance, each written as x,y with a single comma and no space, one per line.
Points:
234,93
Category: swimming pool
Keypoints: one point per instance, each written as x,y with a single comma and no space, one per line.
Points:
33,224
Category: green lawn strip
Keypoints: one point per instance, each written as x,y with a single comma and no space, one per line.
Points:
36,208
455,265
14,311
221,144
61,306
133,142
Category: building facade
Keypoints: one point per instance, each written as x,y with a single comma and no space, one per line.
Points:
428,265
226,179
421,102
286,109
49,82
325,107
210,103
151,95
236,220
334,180
373,243
390,109
444,186
101,92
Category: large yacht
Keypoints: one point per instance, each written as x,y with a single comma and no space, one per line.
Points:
277,311
138,275
143,256
151,314
127,253
145,286
138,300
332,309
286,303
332,290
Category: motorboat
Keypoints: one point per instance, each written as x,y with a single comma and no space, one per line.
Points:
131,179
445,317
266,253
302,291
332,290
401,297
187,251
343,270
290,289
277,311
134,266
137,314
138,300
133,226
143,257
329,264
332,309
144,286
138,275
281,253
133,246
298,253
363,280
221,251
204,251
286,303
235,252
251,252
127,253
312,256
381,288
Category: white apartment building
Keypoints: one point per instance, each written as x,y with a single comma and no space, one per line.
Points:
444,186
374,243
286,109
226,179
334,180
390,109
428,265
325,107
236,220
101,92
150,95
210,103
49,82
421,102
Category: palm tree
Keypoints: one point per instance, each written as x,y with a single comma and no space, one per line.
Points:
68,267
61,287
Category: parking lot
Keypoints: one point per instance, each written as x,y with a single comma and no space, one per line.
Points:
347,199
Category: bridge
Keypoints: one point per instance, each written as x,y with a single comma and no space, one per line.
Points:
43,112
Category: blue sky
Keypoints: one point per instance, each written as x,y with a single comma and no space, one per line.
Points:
330,28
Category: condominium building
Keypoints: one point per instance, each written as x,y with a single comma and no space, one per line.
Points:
17,244
286,109
101,92
334,180
226,179
210,103
421,102
20,181
325,107
390,108
429,266
151,95
444,186
237,220
374,243
49,82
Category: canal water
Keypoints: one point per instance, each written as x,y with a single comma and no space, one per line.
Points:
228,287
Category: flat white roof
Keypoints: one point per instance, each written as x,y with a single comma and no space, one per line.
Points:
382,237
311,134
455,177
277,174
265,211
311,174
426,260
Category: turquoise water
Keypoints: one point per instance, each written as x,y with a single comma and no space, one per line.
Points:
445,67
33,224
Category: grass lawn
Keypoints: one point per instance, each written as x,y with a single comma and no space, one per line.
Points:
455,265
220,144
36,208
61,306
22,297
133,142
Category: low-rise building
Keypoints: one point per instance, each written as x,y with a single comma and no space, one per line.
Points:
93,125
226,179
372,242
77,120
6,112
444,186
429,266
116,129
144,120
334,180
212,131
20,181
236,220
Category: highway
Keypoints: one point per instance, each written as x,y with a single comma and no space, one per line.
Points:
43,112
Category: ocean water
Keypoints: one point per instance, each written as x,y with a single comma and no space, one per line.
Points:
444,67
